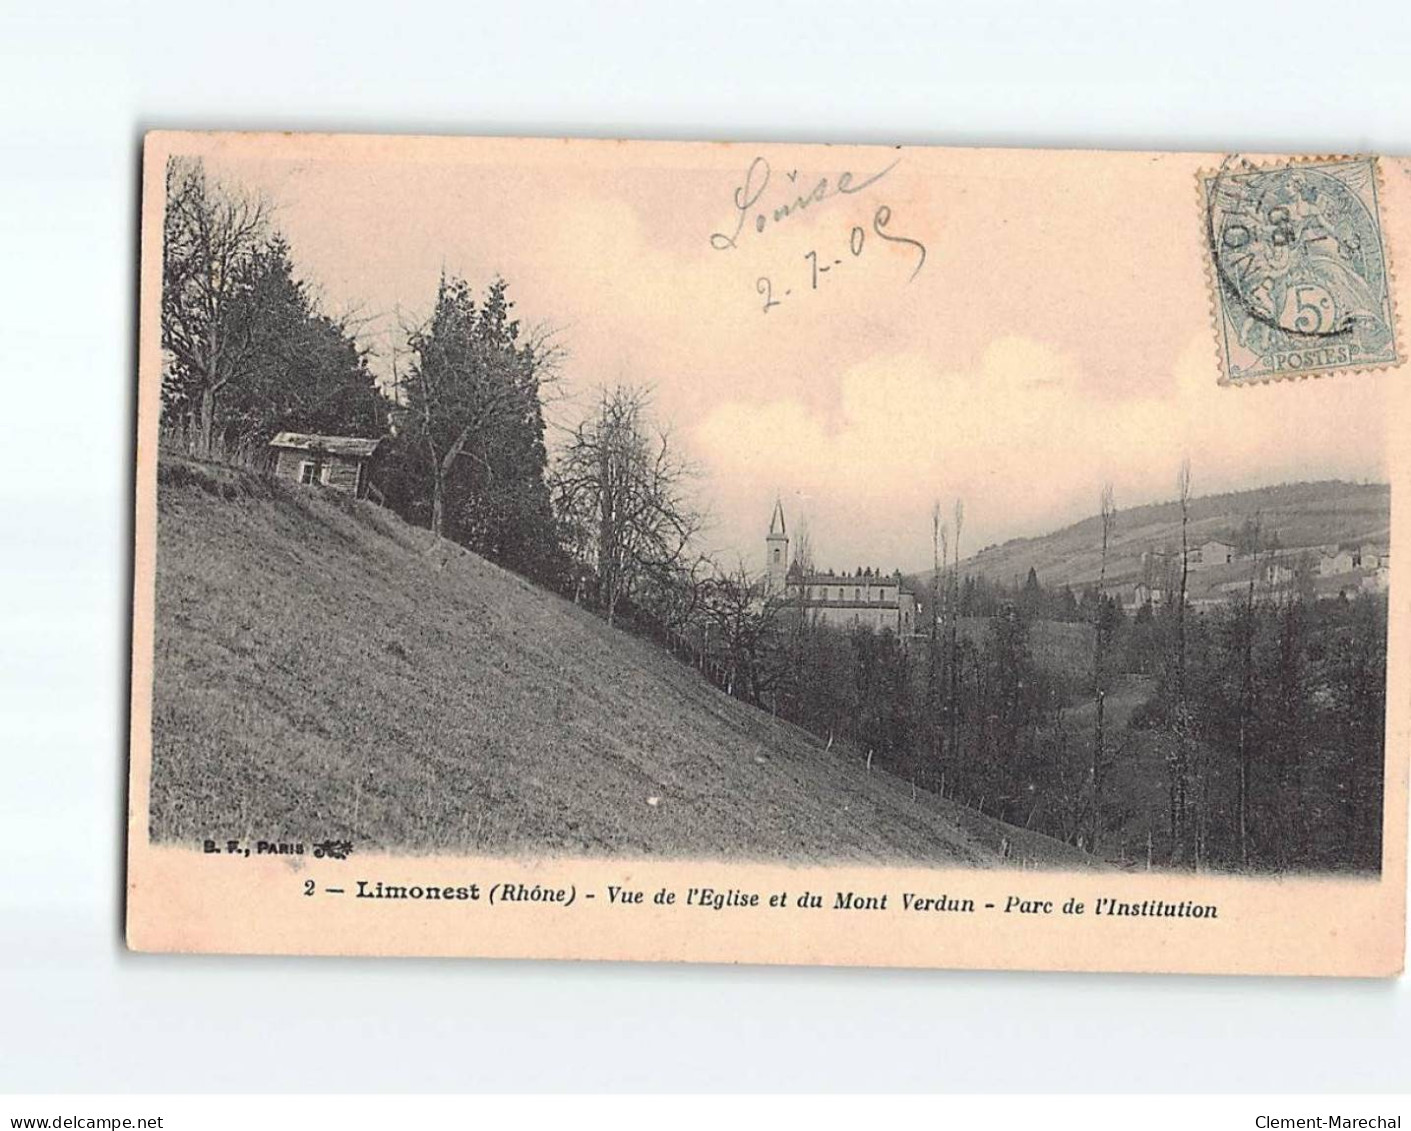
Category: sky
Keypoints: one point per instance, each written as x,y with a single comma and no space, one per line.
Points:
1010,328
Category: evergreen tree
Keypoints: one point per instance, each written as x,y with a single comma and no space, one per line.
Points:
1031,597
471,461
249,353
303,371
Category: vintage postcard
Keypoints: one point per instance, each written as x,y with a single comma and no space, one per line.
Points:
772,553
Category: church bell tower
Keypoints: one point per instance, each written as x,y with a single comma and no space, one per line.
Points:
776,550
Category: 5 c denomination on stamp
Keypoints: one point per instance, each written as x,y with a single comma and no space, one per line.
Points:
1298,266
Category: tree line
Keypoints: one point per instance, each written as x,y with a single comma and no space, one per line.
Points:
250,351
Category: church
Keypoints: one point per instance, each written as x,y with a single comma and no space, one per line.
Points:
867,597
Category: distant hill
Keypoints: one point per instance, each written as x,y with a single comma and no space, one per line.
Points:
1301,514
324,670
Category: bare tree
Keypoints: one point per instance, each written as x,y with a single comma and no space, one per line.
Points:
211,234
938,533
935,672
953,649
744,617
803,546
675,598
1108,509
802,620
1179,759
624,485
1248,627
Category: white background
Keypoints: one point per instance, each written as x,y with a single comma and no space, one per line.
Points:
78,85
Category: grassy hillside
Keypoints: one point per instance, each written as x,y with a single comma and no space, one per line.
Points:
322,670
1303,514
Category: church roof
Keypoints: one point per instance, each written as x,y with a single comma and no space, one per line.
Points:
870,576
828,577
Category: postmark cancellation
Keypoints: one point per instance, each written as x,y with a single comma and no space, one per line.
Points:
1300,279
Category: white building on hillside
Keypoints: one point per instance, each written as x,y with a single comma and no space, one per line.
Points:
1330,565
865,598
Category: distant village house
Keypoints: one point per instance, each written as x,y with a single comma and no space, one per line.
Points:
1334,560
340,462
1377,581
1144,594
1339,561
1210,554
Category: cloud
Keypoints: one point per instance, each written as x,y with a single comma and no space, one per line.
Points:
1024,440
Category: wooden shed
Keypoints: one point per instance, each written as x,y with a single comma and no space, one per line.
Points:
341,462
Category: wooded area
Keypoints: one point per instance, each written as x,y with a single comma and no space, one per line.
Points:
1260,721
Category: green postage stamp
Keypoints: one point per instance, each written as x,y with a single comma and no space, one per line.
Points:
1299,270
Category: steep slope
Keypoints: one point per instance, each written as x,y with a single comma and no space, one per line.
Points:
323,671
1302,514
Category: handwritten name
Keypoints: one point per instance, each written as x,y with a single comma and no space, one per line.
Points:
748,194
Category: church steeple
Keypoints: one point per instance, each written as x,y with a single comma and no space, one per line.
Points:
776,523
776,550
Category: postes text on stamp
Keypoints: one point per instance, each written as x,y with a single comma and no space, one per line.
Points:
1298,268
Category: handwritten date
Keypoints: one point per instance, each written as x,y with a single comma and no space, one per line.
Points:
819,267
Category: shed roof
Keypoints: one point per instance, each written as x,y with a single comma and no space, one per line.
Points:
334,445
